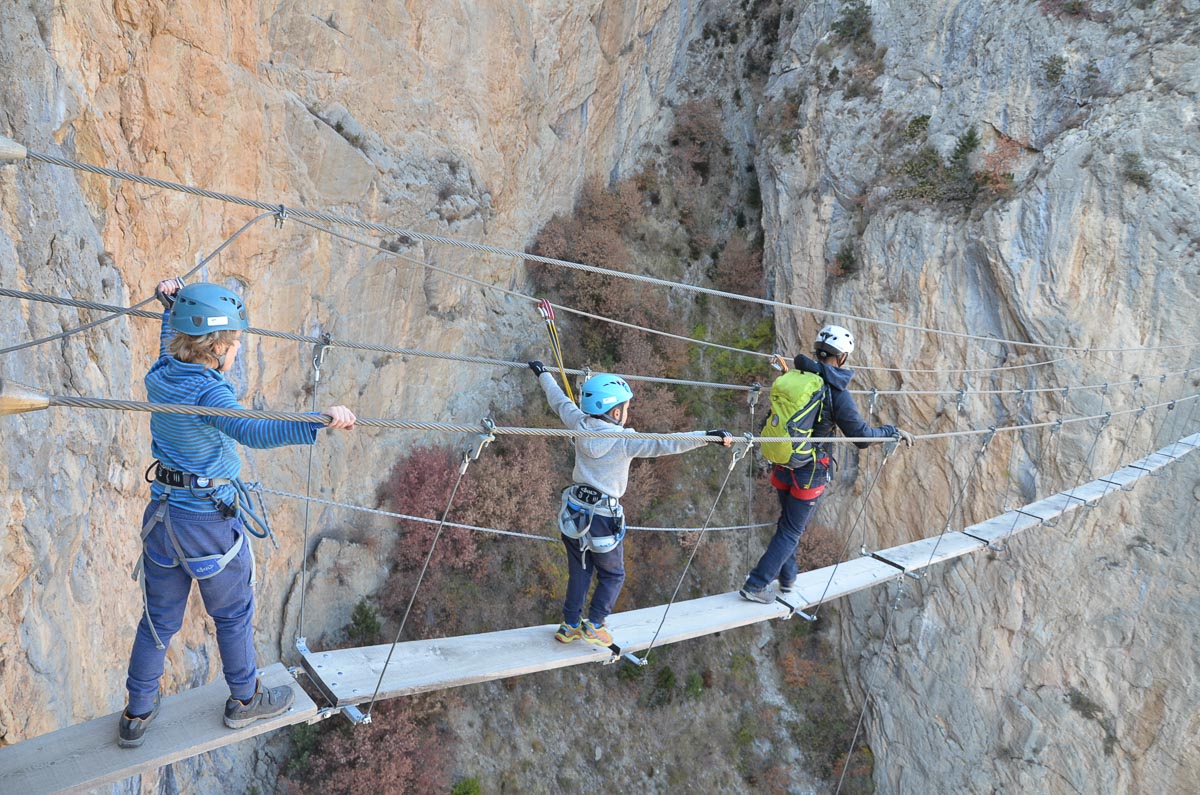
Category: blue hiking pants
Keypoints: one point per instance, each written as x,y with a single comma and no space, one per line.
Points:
779,559
609,568
228,598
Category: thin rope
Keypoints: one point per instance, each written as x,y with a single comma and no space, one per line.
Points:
402,351
962,493
1086,464
887,454
138,305
258,487
738,452
867,695
462,470
318,358
321,419
301,213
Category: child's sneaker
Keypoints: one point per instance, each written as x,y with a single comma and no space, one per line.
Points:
131,731
599,635
567,633
762,595
266,703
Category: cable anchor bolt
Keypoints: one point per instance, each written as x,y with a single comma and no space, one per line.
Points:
875,401
752,398
319,350
281,215
961,400
482,440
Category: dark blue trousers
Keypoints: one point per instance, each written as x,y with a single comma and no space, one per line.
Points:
609,569
228,598
779,560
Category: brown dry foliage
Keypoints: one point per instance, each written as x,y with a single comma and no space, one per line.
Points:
740,268
996,176
820,546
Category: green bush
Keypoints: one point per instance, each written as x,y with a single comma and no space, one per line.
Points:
467,786
364,626
853,25
1134,170
917,127
1054,69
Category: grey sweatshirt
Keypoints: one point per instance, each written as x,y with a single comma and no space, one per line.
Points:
604,463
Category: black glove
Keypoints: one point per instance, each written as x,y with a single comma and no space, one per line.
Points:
724,434
168,299
537,367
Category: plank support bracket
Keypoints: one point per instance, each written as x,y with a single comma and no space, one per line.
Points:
793,610
627,656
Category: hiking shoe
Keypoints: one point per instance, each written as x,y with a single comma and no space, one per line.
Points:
131,731
266,703
567,633
598,635
762,595
786,588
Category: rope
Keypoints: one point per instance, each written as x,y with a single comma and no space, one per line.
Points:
469,456
124,311
300,213
260,488
321,419
887,454
738,452
318,359
1087,464
962,493
454,357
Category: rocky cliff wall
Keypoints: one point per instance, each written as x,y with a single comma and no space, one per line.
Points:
1066,663
478,120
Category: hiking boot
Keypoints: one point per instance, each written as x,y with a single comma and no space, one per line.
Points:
266,703
567,633
762,595
598,635
131,731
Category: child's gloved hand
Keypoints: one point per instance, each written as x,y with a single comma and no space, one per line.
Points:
537,367
165,291
726,436
906,437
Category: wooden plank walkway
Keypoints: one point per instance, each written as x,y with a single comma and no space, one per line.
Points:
86,756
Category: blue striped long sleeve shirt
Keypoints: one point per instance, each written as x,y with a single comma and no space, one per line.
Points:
206,446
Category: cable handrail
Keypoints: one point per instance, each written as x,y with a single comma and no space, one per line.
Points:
301,212
482,360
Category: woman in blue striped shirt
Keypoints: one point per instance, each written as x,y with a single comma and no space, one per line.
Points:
192,529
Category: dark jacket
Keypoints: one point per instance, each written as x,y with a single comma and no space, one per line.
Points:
839,408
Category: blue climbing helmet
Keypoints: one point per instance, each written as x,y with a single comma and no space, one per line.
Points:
601,393
205,307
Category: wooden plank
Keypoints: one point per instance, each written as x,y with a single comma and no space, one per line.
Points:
1087,493
928,551
1000,527
350,676
86,756
1123,477
1051,507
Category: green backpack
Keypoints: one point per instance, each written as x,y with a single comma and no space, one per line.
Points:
795,409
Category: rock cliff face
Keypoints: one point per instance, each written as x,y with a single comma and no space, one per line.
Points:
1066,663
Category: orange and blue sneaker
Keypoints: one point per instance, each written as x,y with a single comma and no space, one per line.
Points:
598,635
567,633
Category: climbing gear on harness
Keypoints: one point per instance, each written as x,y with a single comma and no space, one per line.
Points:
796,401
779,362
205,566
204,307
546,309
784,479
567,633
603,392
836,340
581,503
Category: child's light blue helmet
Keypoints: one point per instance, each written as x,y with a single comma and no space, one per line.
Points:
602,393
204,307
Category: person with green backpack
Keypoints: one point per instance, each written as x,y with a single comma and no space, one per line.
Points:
808,401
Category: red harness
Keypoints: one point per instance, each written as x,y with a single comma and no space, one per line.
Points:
784,479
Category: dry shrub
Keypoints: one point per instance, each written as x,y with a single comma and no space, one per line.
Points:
996,176
401,750
820,546
739,268
420,485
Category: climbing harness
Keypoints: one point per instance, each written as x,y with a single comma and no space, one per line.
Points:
546,309
205,566
581,503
